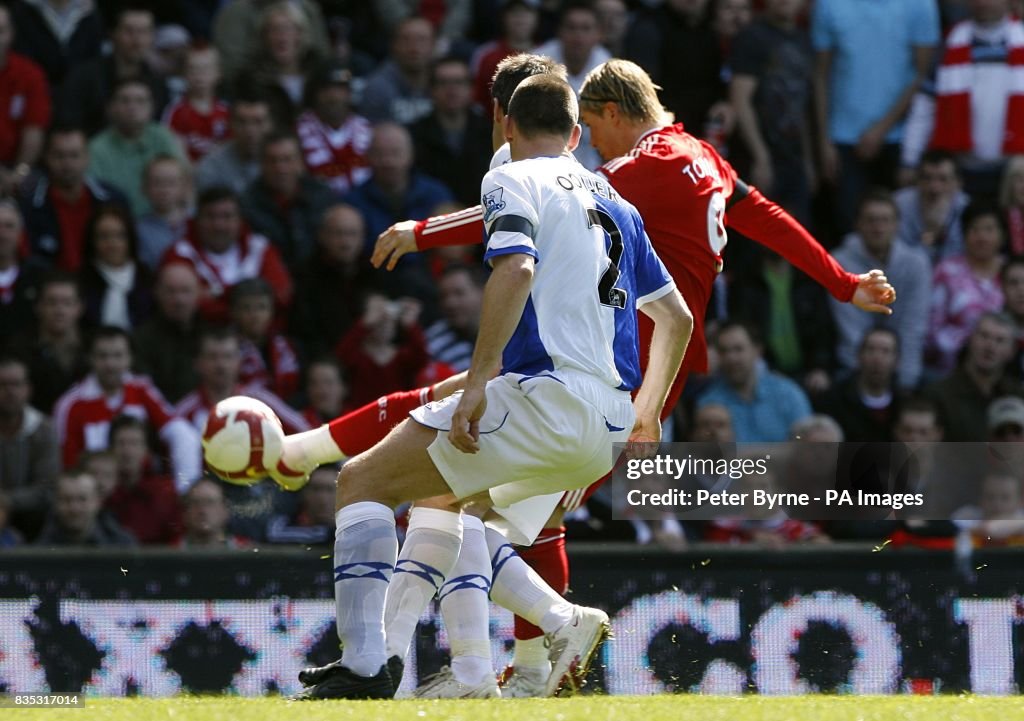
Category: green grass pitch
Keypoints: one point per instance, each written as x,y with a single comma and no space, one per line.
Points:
584,708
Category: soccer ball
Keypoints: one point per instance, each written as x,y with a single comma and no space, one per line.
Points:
242,439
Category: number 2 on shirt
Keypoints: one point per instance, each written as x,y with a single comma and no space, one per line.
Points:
607,293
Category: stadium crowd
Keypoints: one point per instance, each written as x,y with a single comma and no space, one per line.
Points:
191,191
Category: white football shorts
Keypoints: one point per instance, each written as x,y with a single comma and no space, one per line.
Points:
539,435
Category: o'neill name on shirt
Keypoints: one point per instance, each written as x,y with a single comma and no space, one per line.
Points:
571,181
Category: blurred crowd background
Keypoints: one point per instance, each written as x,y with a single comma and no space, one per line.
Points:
189,191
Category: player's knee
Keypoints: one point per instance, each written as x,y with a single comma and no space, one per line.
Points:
355,485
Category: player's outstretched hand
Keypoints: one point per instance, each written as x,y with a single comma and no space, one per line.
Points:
393,243
643,441
874,293
465,432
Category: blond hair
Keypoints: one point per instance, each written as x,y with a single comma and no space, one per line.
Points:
1013,168
628,85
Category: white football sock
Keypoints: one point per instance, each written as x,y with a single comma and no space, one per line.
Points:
465,609
517,587
428,557
365,551
306,451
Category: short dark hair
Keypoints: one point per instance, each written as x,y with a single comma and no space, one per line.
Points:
919,404
729,325
58,277
544,105
126,421
251,288
122,9
572,6
879,329
125,82
215,334
280,135
64,129
216,194
9,359
476,275
448,60
981,208
107,332
877,195
515,69
938,157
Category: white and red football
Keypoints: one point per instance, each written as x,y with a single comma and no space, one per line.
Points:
242,439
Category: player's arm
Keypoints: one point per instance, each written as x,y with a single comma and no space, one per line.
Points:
505,297
673,325
464,227
758,218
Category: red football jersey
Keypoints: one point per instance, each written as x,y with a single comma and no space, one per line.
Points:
336,156
24,102
200,132
83,414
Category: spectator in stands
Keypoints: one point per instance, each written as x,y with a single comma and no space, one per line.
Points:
790,311
864,81
224,252
384,351
285,203
88,89
28,445
144,502
973,108
763,404
205,516
1012,284
119,154
56,34
18,279
867,403
116,287
217,363
613,16
166,343
58,206
450,340
278,68
712,422
1011,201
395,191
101,465
930,210
235,164
518,25
75,518
917,422
578,47
84,413
268,358
167,187
772,66
1005,418
199,118
55,352
675,44
313,522
965,286
449,18
963,397
399,89
24,110
238,31
334,138
325,390
331,286
875,245
453,142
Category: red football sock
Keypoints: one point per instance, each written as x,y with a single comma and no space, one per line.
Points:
363,428
548,558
